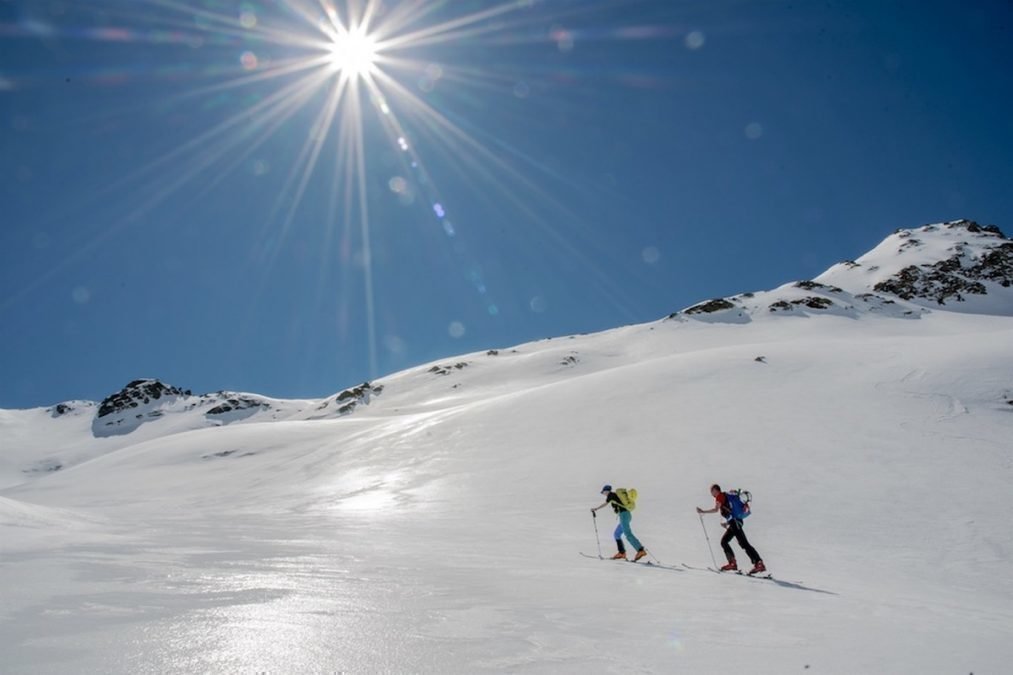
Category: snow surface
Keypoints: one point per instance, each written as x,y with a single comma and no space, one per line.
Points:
437,527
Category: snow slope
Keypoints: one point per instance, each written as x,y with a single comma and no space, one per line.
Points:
435,527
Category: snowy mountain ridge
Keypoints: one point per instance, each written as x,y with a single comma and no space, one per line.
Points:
957,265
430,521
142,410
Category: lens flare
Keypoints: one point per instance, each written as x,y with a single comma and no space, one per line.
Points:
312,97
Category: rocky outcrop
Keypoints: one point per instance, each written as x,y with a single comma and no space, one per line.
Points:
137,394
812,302
446,370
711,306
930,283
349,399
809,285
236,403
71,408
965,272
138,402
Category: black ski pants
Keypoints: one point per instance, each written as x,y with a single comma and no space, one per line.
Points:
735,531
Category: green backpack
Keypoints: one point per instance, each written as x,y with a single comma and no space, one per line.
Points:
628,498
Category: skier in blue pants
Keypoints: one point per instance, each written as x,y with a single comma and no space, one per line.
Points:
623,528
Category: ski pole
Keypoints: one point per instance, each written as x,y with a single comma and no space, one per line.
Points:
594,519
707,537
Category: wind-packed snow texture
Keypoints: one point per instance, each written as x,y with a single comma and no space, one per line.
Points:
435,525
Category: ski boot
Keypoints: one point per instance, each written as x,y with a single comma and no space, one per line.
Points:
730,567
757,568
619,556
640,554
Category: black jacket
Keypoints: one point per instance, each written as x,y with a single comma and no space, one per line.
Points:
617,505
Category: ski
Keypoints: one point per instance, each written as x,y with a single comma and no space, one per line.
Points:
601,557
766,575
662,566
769,577
740,573
646,563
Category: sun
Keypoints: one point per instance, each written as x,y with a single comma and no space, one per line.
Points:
356,62
353,53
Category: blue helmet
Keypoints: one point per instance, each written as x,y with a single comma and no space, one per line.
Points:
606,488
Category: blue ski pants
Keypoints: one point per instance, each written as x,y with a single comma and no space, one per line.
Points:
623,528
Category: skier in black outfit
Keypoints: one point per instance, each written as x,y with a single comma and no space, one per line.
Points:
734,531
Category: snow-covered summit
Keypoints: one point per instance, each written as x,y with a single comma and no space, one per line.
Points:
953,266
40,441
148,400
957,266
138,402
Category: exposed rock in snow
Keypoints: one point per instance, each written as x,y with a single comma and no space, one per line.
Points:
446,370
347,400
958,266
711,306
137,403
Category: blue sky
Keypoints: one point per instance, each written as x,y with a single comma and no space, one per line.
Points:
177,202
